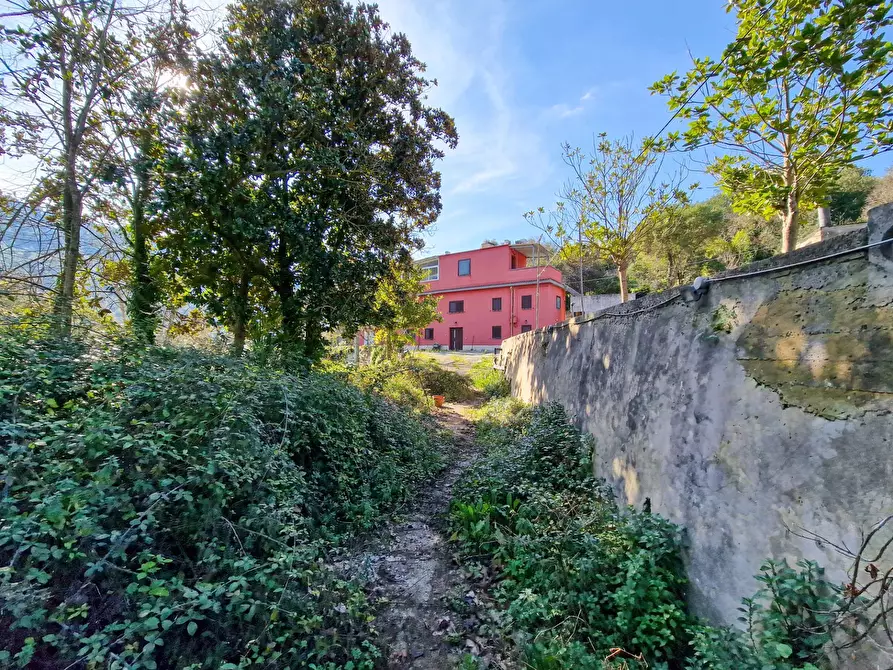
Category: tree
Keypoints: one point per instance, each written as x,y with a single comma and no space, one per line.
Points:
848,194
882,193
61,69
674,250
614,197
306,168
401,309
800,93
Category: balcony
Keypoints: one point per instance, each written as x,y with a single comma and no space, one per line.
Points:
530,274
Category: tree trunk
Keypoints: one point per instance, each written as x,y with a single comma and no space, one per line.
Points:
72,213
142,298
790,217
671,274
240,315
790,221
621,274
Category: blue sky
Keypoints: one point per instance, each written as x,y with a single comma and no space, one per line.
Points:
522,76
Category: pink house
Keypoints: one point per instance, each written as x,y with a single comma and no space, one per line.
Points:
491,293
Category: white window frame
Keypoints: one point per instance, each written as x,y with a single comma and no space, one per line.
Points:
433,267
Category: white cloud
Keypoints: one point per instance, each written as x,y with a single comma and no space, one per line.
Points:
463,45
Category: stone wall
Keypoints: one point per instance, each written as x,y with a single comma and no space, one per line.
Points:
590,304
762,408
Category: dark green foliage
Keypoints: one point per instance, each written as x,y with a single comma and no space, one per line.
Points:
849,194
789,622
409,381
305,173
437,380
170,509
576,577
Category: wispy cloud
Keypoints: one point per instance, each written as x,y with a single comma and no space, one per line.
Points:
463,43
563,111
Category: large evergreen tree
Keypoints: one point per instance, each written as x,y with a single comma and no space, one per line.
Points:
307,167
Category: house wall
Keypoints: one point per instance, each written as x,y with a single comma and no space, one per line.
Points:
492,266
753,417
478,318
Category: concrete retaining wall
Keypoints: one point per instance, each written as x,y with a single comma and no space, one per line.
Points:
764,407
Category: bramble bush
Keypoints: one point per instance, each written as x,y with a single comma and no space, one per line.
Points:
576,577
166,508
409,380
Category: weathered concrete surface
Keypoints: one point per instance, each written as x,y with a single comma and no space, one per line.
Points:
765,406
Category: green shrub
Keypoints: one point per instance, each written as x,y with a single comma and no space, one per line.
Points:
576,577
440,381
488,380
789,623
501,422
170,509
404,389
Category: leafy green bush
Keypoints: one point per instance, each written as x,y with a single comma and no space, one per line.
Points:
576,578
170,509
488,380
440,381
501,422
789,622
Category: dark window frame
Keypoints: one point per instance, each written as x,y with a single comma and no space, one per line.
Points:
526,328
429,334
459,306
459,268
493,304
496,332
528,299
558,302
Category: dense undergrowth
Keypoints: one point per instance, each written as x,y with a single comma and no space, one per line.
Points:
580,583
171,509
409,381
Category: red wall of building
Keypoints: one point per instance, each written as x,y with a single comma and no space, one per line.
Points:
493,277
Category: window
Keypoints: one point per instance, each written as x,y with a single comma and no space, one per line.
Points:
497,332
430,270
429,333
526,327
526,302
514,262
464,267
496,305
557,302
457,306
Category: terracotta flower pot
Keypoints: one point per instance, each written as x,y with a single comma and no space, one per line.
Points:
438,400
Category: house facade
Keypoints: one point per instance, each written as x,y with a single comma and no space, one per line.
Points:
489,294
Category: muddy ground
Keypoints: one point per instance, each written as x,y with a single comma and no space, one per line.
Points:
409,568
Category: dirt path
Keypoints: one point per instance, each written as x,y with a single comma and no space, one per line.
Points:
409,566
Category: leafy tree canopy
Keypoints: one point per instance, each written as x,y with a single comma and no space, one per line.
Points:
801,93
